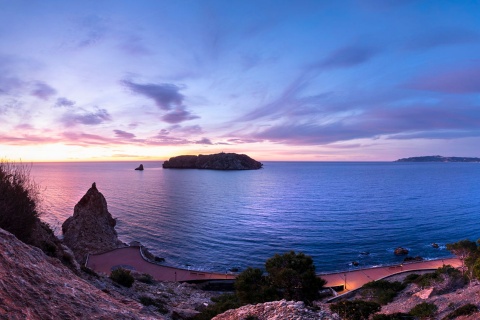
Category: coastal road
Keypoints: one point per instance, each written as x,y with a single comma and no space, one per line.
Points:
355,279
132,259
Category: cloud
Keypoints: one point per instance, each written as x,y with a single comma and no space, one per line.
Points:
442,37
178,115
204,141
64,102
88,118
43,91
124,134
86,139
459,80
166,96
348,56
9,85
442,120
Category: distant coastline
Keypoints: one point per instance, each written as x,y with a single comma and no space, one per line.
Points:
439,159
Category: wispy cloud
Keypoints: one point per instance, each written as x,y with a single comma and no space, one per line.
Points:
81,116
64,102
124,134
348,56
43,91
459,80
167,97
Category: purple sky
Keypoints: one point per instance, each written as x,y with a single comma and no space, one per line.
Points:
278,80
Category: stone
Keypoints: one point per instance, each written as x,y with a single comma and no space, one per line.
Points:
411,259
277,310
91,229
140,167
219,161
400,251
435,245
355,263
424,294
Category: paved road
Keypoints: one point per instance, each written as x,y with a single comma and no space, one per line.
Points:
357,278
131,258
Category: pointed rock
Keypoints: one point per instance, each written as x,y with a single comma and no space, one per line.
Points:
91,229
140,167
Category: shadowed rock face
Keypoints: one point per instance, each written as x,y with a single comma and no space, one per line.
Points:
91,229
219,161
34,286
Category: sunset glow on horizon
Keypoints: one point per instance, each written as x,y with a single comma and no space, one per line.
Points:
278,80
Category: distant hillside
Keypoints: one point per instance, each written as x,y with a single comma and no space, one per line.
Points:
439,159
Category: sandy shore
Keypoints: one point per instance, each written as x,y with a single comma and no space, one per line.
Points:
354,279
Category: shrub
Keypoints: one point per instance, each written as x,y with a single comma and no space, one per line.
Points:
383,291
251,286
411,278
19,199
464,310
146,278
122,277
424,310
292,277
355,310
159,304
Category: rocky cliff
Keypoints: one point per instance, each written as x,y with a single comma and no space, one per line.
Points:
34,286
219,161
91,229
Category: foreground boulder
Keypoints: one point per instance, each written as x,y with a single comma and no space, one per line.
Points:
140,167
91,229
34,286
276,310
219,161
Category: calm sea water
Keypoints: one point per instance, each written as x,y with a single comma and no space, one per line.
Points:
216,220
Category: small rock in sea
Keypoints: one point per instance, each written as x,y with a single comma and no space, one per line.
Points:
234,269
365,253
408,259
400,251
435,245
140,167
355,263
159,259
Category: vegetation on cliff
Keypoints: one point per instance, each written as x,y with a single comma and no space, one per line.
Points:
219,161
438,159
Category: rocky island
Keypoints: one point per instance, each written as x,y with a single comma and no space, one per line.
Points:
438,159
219,161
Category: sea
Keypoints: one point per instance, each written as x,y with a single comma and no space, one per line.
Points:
336,212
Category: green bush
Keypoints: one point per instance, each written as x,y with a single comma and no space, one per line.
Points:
383,291
355,310
122,277
464,310
292,277
146,278
19,199
159,304
411,278
251,286
424,310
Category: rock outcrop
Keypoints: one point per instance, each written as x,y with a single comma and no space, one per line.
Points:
140,167
219,161
400,251
91,229
34,286
283,309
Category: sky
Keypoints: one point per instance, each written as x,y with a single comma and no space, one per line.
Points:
365,80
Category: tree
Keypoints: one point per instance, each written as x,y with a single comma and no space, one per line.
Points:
465,250
251,286
292,276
